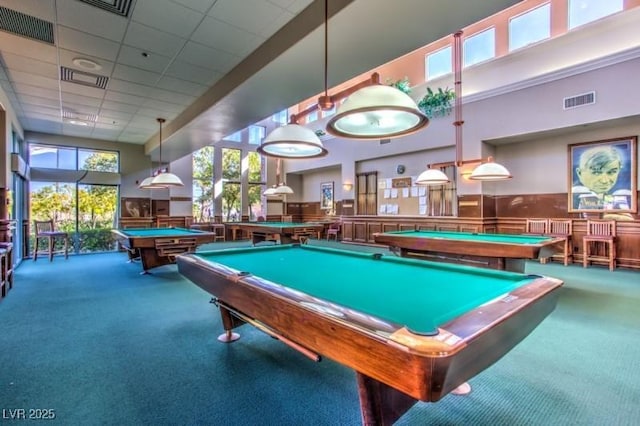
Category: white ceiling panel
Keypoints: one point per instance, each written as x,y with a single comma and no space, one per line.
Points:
31,65
67,57
171,97
135,75
167,16
203,56
222,36
124,98
31,79
92,95
134,57
41,9
91,19
193,73
27,47
161,106
118,106
25,89
262,13
28,99
129,87
87,44
181,86
153,40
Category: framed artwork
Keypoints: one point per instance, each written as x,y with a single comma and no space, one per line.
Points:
603,176
326,196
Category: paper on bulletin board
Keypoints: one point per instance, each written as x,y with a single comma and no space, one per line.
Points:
422,201
423,209
414,191
383,208
388,183
422,191
392,208
382,184
387,193
405,192
394,193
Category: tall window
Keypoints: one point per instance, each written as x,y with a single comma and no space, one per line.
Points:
256,179
442,199
438,63
281,117
585,11
98,161
256,134
234,137
312,116
53,157
479,47
231,194
203,207
531,26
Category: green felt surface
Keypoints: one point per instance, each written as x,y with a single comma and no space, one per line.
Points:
468,236
158,232
421,295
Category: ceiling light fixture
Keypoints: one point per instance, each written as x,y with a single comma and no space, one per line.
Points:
371,111
281,188
489,171
162,178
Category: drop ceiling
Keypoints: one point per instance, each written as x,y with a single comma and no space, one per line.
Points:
106,69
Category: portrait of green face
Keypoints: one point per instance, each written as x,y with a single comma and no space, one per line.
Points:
599,169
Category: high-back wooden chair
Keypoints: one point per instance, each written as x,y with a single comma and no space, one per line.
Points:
45,231
600,243
334,230
537,226
563,228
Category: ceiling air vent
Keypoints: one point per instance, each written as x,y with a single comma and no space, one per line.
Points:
579,100
119,7
84,78
26,25
74,115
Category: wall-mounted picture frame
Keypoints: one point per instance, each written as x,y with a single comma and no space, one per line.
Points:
326,195
603,176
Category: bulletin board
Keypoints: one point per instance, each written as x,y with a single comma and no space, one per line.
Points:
401,197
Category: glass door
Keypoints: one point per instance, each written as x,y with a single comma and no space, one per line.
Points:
96,217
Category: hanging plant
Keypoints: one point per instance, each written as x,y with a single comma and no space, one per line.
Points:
402,85
438,103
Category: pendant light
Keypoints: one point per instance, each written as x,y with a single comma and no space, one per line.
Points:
164,179
281,188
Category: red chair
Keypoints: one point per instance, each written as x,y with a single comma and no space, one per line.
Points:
334,229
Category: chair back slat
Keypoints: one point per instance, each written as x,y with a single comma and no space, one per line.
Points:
536,226
604,228
560,226
42,226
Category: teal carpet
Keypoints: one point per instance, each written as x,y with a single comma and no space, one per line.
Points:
97,342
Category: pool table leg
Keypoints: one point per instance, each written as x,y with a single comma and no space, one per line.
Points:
380,404
229,322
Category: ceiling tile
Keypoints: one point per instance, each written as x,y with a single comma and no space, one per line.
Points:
161,106
171,97
235,13
129,87
84,43
201,55
121,107
38,109
92,95
36,91
21,77
223,36
90,19
124,98
35,100
41,9
135,75
201,6
193,73
181,86
167,16
26,47
132,56
276,25
153,40
26,64
45,126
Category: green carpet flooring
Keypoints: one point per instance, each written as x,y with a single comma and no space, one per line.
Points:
100,344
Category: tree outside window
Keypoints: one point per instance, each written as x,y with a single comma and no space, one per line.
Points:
231,190
203,207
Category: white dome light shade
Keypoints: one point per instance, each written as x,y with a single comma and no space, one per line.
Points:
432,177
166,180
146,183
292,141
270,191
282,189
377,112
490,171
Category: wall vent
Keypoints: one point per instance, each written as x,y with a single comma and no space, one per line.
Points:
83,78
579,100
119,7
385,141
26,25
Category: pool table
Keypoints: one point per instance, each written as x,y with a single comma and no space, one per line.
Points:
412,330
278,232
159,246
495,251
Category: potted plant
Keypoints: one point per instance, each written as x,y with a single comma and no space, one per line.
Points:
402,85
438,103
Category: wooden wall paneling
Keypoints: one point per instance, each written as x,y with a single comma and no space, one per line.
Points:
347,231
360,234
470,205
469,228
426,227
449,227
407,226
372,228
389,227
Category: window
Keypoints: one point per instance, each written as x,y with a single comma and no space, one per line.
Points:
234,137
98,161
312,116
531,26
442,199
281,117
479,47
52,157
585,11
438,63
329,112
256,134
257,205
231,194
203,207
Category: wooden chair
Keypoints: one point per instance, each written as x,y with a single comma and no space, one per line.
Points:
45,230
287,218
563,228
537,226
600,243
260,219
334,230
